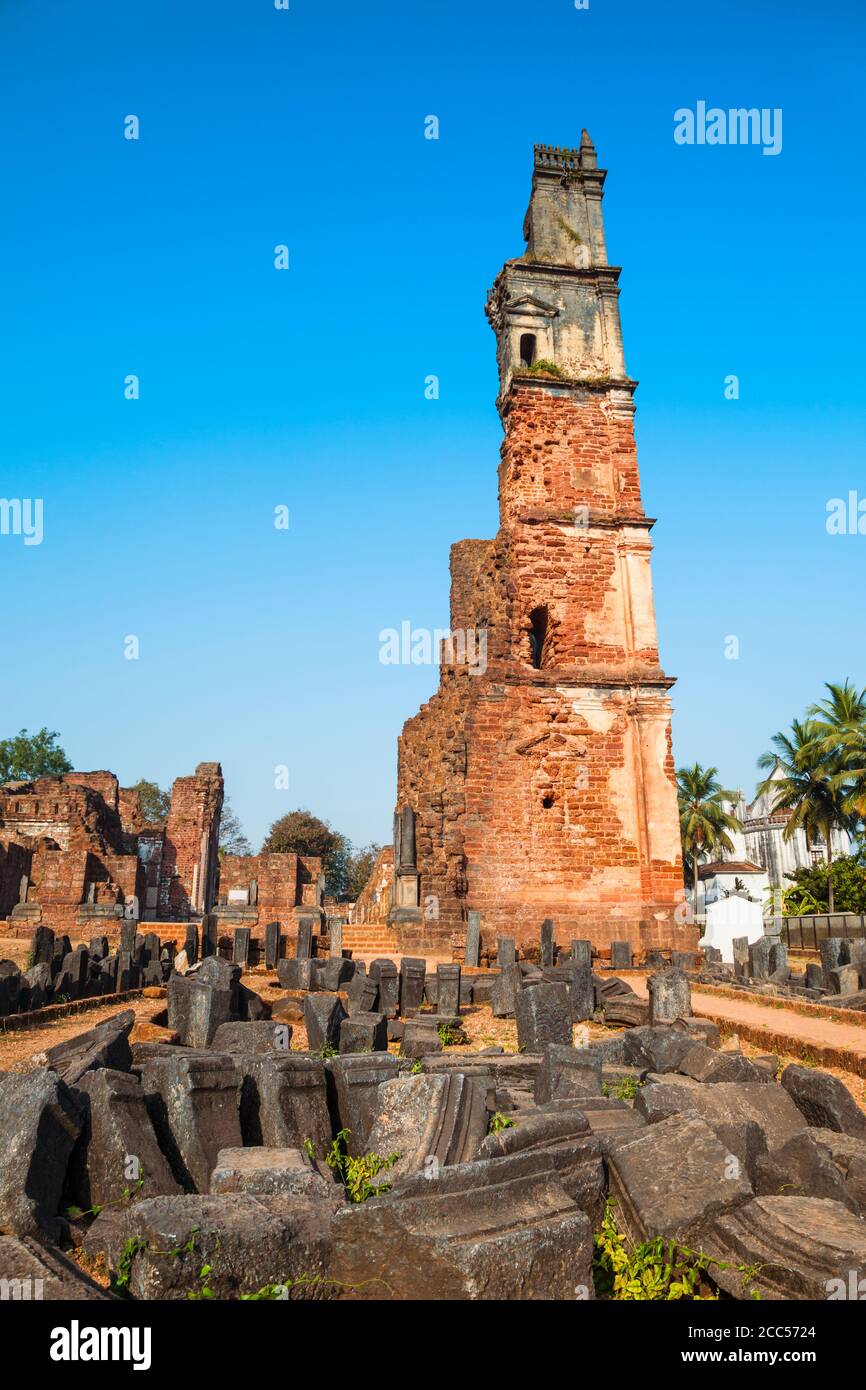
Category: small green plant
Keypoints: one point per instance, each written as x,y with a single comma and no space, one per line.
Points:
449,1037
308,1149
204,1292
498,1122
625,1089
570,232
327,1050
357,1174
123,1273
416,1067
544,367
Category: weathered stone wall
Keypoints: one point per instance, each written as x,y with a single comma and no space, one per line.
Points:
63,809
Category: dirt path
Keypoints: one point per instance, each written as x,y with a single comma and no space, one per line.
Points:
821,1032
18,1048
839,1048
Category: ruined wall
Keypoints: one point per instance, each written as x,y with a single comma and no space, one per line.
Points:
374,900
275,884
65,834
64,809
188,867
82,842
14,865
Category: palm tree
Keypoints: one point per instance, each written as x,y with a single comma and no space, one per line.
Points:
804,780
841,724
704,817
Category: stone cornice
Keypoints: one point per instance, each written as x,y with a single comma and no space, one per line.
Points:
509,673
605,521
556,271
566,384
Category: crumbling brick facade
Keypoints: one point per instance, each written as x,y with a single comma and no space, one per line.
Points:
255,889
189,862
541,777
66,853
77,853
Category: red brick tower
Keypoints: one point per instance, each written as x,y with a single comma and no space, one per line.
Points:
540,774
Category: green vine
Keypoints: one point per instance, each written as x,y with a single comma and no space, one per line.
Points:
655,1270
569,231
279,1291
74,1213
357,1173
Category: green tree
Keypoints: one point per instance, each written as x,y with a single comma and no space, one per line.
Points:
360,867
28,756
704,817
804,780
232,837
155,804
840,726
300,832
811,891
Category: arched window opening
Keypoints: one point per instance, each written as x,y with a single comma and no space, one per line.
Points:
527,349
538,619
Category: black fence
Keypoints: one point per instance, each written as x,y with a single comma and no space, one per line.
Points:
806,932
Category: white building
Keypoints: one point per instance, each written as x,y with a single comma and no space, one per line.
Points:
761,841
731,877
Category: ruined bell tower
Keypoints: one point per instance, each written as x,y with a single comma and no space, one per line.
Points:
542,779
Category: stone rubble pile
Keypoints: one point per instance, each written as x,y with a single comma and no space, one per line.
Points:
494,1167
57,974
763,968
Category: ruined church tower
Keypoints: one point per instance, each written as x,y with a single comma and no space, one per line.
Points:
539,780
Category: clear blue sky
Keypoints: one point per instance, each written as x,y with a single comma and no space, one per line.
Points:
260,647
